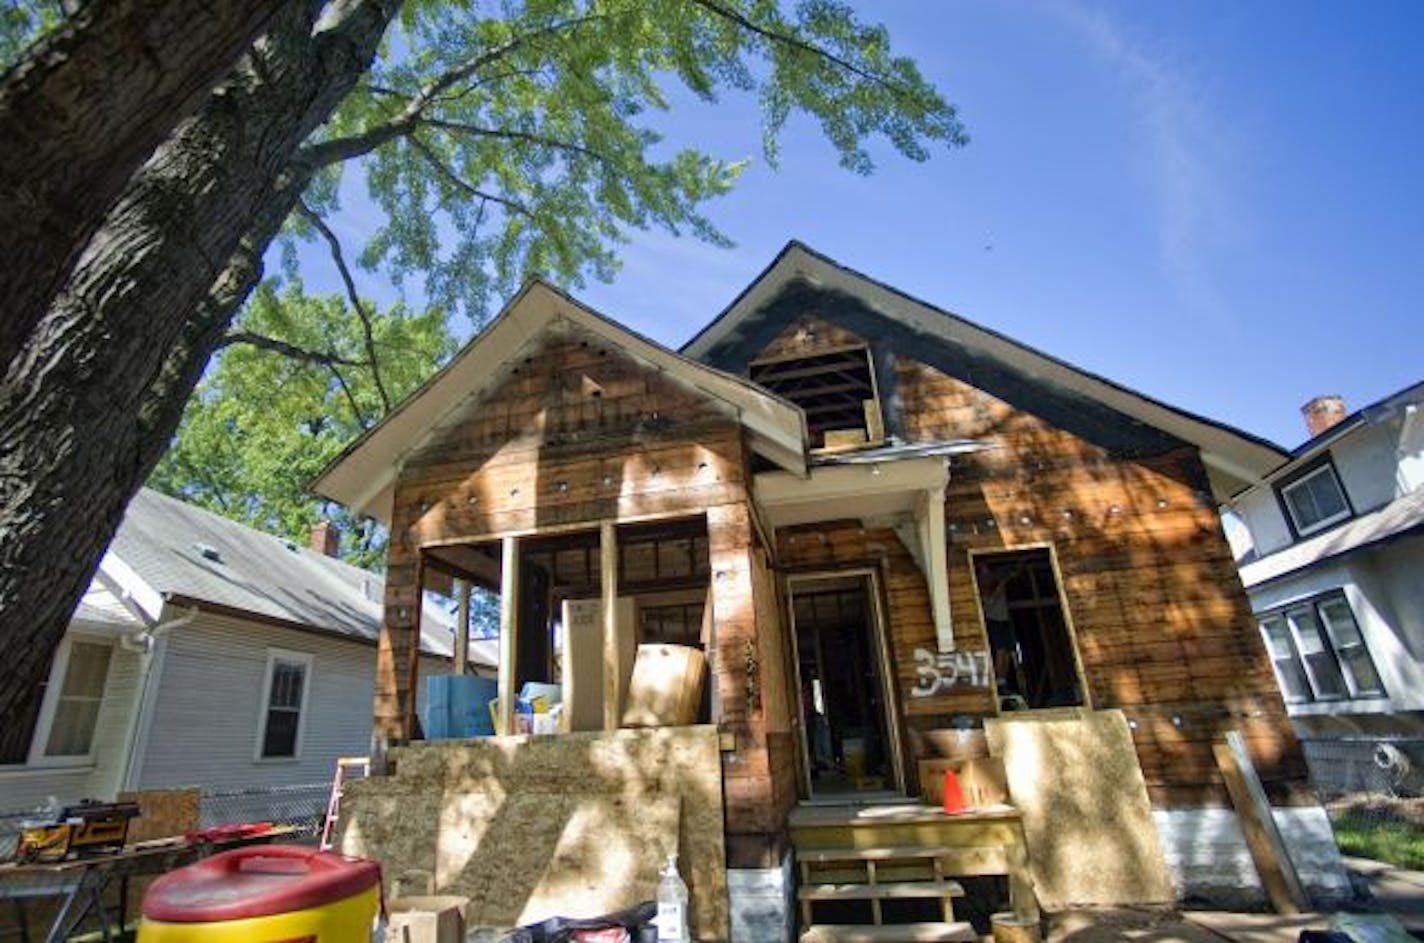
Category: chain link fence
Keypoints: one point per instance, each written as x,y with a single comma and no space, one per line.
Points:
1372,788
302,806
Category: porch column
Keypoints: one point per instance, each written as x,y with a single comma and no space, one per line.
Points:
608,619
462,626
929,514
508,629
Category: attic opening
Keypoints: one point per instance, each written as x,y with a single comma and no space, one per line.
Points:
835,389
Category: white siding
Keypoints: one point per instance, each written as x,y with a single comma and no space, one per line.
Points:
1366,460
1262,515
204,727
23,787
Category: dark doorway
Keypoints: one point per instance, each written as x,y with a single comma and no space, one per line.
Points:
1028,633
843,706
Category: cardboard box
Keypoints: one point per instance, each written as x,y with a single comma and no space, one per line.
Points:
426,919
982,781
666,688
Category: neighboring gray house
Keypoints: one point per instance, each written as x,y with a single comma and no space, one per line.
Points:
1334,567
208,654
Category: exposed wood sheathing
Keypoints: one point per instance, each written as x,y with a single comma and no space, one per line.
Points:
1162,626
532,827
1086,816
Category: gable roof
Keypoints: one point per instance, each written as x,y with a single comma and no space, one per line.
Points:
1379,411
363,476
190,556
1234,459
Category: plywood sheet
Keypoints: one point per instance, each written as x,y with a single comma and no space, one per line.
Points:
163,813
530,827
1086,816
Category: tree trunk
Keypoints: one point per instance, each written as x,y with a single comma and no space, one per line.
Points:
93,398
83,109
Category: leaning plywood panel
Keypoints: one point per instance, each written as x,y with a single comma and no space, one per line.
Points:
529,826
1086,816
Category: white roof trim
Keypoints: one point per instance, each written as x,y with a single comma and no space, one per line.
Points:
1234,459
363,476
130,589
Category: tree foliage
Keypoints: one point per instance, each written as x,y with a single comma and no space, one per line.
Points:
496,139
289,392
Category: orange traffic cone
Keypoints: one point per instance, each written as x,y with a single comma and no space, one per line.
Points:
953,797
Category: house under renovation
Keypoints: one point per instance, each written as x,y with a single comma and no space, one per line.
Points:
889,540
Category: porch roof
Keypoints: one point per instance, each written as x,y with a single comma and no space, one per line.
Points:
363,476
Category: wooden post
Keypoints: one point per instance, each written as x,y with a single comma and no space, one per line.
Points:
1273,863
462,626
508,629
608,612
412,683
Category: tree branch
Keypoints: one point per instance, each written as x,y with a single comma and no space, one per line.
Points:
459,127
794,42
359,416
465,186
366,330
340,149
286,349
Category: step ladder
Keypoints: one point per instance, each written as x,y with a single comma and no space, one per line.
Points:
877,875
344,764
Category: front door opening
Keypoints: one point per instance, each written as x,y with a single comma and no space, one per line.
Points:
1028,634
843,705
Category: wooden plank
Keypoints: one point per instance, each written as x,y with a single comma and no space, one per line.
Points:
898,890
508,627
871,854
612,663
1268,851
462,626
958,932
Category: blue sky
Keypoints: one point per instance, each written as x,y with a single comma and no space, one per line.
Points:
1218,203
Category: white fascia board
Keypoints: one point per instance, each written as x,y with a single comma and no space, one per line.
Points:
145,602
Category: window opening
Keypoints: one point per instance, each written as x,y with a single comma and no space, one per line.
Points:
1318,651
1315,501
836,391
76,714
286,689
1028,631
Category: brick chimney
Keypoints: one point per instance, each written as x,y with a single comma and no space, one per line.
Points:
325,538
1323,412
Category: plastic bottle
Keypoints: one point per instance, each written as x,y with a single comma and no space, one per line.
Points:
672,904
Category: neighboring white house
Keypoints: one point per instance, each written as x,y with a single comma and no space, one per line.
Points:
1334,567
208,654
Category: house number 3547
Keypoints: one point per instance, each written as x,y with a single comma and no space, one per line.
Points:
941,672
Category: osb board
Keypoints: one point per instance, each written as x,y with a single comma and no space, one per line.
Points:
162,812
529,827
1086,817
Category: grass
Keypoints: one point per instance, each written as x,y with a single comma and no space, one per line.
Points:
1381,836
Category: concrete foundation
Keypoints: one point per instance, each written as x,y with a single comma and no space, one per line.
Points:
762,903
1211,863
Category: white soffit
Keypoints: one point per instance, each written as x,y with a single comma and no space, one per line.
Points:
1233,458
363,477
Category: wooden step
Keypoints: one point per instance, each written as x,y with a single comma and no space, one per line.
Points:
897,890
888,853
890,933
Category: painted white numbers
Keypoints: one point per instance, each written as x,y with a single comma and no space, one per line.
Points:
941,672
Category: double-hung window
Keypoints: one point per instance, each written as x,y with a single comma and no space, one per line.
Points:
1318,651
288,681
1315,500
81,693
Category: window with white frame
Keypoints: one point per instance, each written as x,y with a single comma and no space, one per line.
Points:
76,709
288,678
1318,651
1315,500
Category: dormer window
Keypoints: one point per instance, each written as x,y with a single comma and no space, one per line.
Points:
836,391
1315,500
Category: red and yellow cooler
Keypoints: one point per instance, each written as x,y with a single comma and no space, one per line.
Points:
264,894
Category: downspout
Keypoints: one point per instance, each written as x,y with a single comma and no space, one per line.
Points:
142,642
